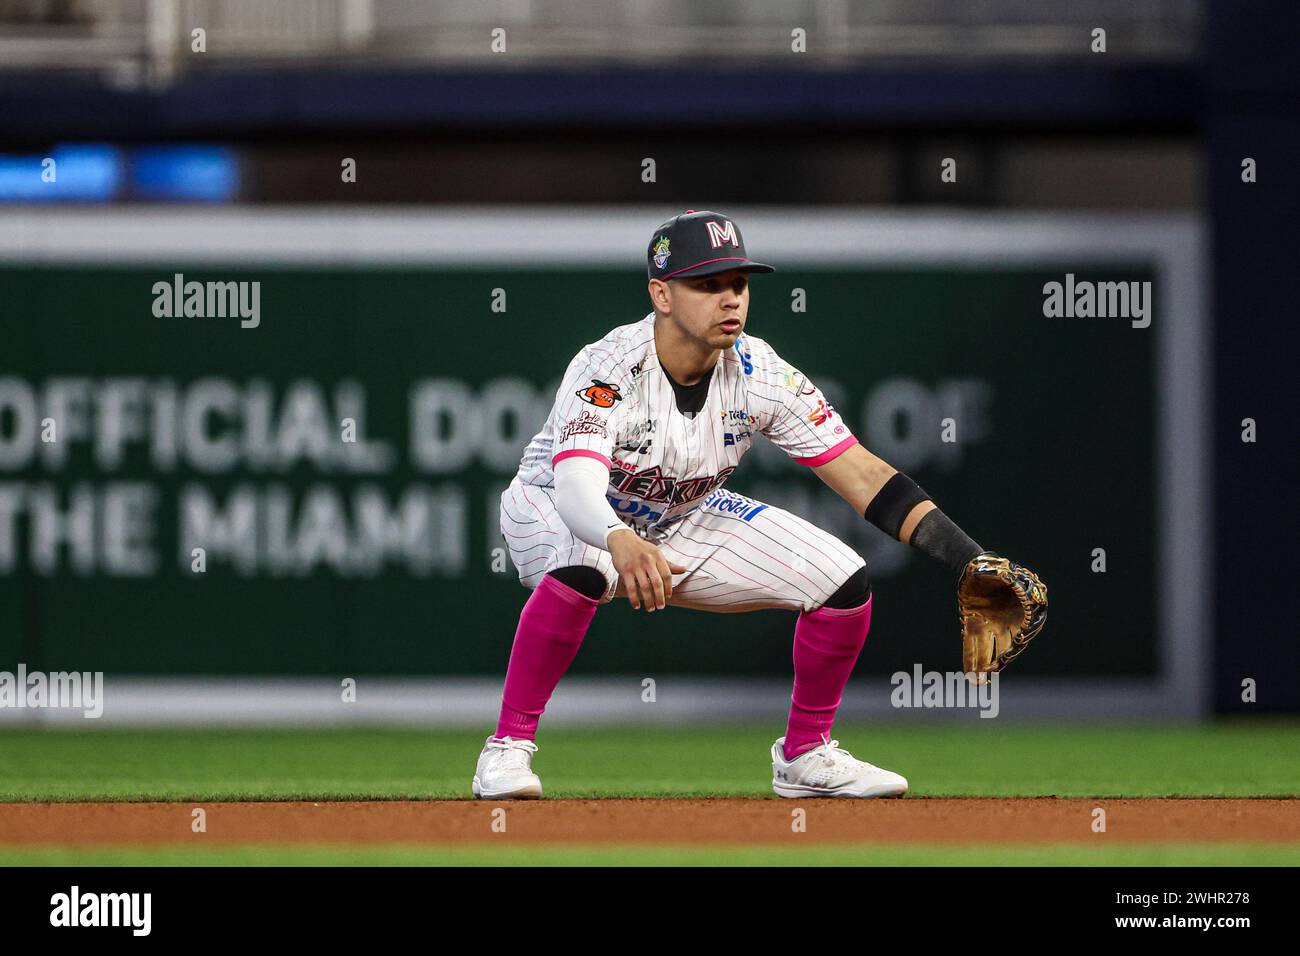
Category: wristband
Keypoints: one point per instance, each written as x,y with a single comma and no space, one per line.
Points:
893,503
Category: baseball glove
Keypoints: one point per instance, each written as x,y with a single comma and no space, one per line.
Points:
1002,607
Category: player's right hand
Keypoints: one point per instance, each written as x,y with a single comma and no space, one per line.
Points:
645,574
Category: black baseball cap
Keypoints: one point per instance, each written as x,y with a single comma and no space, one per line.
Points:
698,243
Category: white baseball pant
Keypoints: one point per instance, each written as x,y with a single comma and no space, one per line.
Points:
741,554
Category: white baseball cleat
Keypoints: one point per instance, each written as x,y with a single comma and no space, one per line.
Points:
828,771
505,771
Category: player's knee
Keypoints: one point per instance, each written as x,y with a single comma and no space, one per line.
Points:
583,578
853,592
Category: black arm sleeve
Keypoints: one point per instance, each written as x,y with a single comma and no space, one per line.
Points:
937,536
934,534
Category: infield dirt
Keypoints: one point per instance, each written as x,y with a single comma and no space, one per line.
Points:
721,821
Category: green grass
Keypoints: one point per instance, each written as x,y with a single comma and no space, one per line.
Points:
1255,758
1235,854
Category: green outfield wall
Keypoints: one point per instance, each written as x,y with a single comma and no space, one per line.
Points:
380,554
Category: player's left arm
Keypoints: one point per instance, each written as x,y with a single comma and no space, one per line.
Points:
1002,605
806,427
858,477
897,505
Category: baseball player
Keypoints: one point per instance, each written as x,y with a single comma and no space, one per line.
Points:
621,495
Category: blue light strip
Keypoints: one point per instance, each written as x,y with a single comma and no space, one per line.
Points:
100,173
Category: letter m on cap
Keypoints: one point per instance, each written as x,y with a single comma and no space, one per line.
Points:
720,232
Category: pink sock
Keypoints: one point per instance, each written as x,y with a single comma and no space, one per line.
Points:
551,628
827,642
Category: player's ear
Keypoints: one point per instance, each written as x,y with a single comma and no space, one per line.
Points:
660,296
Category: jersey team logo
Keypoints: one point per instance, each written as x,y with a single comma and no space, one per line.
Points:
650,486
598,393
661,252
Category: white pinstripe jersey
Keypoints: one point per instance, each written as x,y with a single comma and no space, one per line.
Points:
616,405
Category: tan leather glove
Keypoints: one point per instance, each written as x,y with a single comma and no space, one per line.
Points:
1002,606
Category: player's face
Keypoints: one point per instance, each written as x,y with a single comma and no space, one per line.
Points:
712,309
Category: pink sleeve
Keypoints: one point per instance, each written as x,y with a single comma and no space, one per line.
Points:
581,452
829,454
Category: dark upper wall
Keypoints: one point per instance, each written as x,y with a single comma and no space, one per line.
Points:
1253,110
